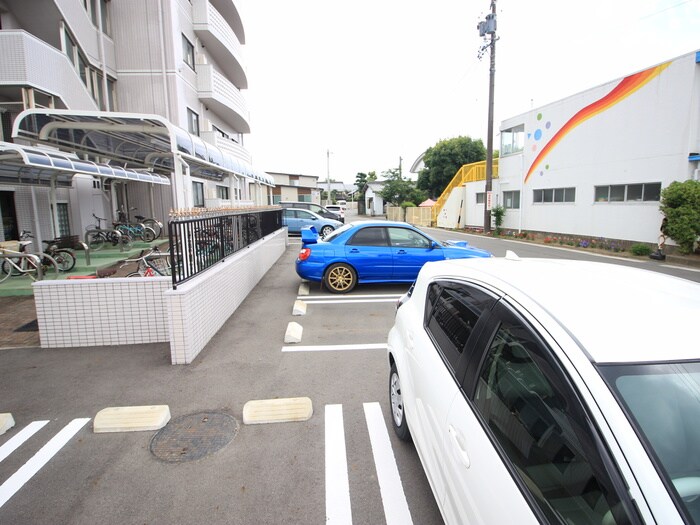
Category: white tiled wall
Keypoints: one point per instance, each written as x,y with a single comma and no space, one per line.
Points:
200,307
103,312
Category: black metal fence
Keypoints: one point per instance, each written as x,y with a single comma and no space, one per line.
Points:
197,244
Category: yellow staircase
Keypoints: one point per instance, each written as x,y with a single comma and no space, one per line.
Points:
467,173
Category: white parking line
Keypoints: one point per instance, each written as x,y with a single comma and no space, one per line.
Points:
22,436
350,297
334,348
338,511
393,498
41,458
349,301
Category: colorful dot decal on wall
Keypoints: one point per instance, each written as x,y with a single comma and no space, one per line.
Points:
539,116
538,134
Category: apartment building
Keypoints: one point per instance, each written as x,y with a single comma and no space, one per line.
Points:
139,86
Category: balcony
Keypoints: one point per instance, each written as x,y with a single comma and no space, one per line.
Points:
226,145
222,97
220,42
26,61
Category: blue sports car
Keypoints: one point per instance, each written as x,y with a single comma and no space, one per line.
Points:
373,252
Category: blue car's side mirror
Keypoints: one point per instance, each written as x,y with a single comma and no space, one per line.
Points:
434,245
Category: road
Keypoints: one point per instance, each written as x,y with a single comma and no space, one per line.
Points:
343,463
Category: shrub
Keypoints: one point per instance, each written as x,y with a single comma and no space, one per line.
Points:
680,203
498,212
640,249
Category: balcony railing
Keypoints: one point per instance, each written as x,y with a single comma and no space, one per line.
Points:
220,41
27,61
226,145
222,97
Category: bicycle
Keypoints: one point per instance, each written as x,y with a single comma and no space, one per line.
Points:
98,237
136,230
18,263
152,264
148,222
64,257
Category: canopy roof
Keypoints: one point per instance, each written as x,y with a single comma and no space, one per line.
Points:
134,140
36,167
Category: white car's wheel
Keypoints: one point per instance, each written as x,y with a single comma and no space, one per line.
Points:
398,415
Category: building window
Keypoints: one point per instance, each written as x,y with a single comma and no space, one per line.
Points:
187,52
554,195
480,197
192,122
198,194
513,140
648,192
222,192
511,200
63,218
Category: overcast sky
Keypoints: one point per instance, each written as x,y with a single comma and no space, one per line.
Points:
377,80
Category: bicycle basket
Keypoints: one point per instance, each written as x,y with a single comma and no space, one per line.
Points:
67,241
9,245
160,264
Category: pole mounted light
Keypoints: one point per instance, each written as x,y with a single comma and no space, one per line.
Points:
487,30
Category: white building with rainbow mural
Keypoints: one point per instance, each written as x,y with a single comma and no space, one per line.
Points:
593,164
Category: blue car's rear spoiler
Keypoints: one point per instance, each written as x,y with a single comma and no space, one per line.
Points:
309,235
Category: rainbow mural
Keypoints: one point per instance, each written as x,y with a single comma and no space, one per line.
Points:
624,89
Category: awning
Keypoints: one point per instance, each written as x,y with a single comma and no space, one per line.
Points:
133,140
23,165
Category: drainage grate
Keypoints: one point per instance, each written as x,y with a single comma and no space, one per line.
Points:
31,326
194,436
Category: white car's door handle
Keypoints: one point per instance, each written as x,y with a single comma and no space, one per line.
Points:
461,453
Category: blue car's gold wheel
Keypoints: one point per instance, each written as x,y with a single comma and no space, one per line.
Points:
340,278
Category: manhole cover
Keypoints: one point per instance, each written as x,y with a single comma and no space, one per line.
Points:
193,436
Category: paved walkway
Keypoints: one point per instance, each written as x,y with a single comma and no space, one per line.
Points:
16,312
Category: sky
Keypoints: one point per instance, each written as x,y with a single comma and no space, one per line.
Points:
336,88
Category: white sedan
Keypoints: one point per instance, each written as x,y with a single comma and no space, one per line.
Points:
551,391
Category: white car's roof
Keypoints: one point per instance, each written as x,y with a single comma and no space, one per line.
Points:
617,313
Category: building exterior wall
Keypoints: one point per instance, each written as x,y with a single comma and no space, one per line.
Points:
141,49
631,131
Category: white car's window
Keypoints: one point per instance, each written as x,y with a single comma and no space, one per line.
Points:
541,427
663,402
452,311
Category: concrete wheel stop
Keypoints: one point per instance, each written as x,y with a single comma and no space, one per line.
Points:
277,410
131,419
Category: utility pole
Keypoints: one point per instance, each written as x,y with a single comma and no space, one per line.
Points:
328,175
400,160
488,27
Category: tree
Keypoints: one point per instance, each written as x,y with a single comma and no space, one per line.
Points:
443,160
397,190
680,203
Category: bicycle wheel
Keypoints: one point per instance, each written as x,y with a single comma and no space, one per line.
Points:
6,270
96,241
9,269
65,260
134,274
154,225
148,235
49,267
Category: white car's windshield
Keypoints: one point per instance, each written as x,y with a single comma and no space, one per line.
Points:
663,402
